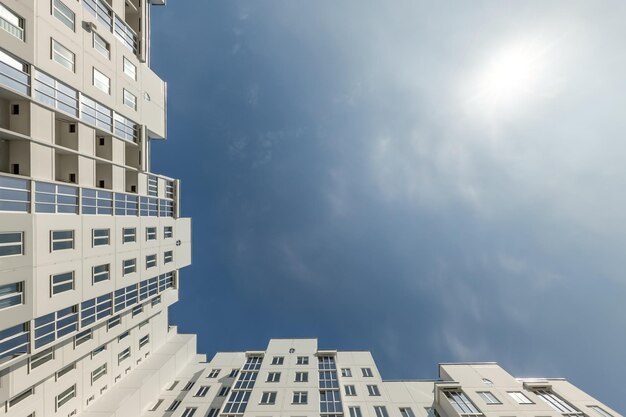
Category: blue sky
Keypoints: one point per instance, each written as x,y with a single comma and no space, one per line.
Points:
369,173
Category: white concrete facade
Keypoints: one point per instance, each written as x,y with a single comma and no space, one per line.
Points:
91,244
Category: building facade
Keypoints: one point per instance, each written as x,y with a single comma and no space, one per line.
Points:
91,244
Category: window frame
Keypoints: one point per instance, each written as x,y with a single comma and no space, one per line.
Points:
15,289
68,21
100,84
57,49
62,240
11,244
100,44
55,285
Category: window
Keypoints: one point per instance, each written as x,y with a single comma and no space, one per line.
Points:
11,243
406,412
373,390
156,405
233,373
367,372
302,360
98,373
114,321
123,336
63,56
129,266
130,100
21,396
144,341
151,233
65,396
168,232
173,406
557,403
63,13
278,360
381,411
350,390
330,402
151,261
61,283
188,386
129,234
98,350
64,371
155,301
100,237
223,391
189,411
137,310
123,355
268,397
213,412
273,377
82,337
11,295
42,357
144,323
101,81
130,69
168,257
11,22
171,388
214,373
302,376
488,397
300,397
101,273
346,372
520,397
61,240
101,45
202,391
601,412
355,411
461,403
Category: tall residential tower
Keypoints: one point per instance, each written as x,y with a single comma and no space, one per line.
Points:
91,243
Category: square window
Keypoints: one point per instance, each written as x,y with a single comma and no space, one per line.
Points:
302,360
278,360
273,377
300,397
268,397
373,390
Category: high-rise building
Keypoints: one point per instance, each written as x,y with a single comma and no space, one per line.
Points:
91,243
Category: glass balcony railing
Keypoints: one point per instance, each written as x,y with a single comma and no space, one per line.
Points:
126,35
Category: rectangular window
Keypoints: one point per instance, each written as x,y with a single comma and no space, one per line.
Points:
406,412
300,397
130,100
189,412
233,373
600,411
302,360
60,283
82,337
350,390
129,234
151,233
11,295
137,310
63,56
64,14
557,403
381,411
520,397
488,397
42,357
101,273
155,301
174,384
151,261
302,376
214,373
21,397
346,372
144,323
189,386
123,336
64,371
461,403
156,405
367,372
11,243
355,411
144,341
278,360
101,45
268,397
129,266
168,232
168,256
202,391
65,396
223,392
130,69
98,373
213,412
123,355
373,391
173,406
11,22
100,237
61,240
101,81
98,350
114,321
273,377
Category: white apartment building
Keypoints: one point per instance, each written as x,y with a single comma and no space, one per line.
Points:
91,243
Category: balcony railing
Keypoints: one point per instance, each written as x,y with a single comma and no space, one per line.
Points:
16,31
101,11
126,35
